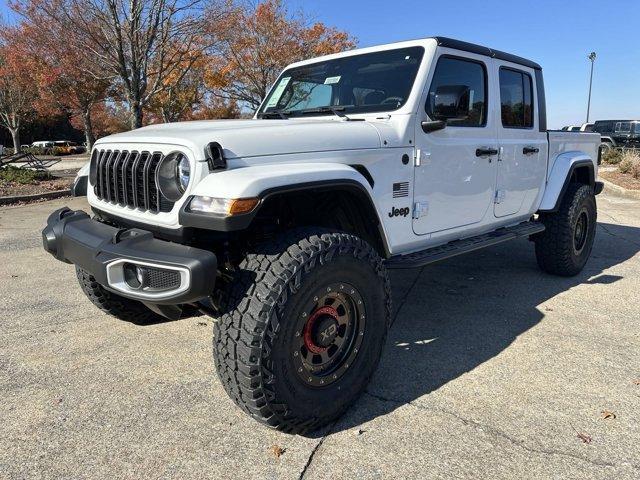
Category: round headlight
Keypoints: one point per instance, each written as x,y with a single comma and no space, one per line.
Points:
184,173
173,175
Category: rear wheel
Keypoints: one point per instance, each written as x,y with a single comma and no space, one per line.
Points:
565,245
308,322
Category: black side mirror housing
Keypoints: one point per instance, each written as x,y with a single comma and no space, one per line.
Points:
433,125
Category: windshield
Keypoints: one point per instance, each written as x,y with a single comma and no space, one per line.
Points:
370,82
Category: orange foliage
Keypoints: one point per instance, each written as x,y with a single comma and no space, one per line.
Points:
257,45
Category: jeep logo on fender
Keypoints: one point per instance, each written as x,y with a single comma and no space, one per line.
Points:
399,212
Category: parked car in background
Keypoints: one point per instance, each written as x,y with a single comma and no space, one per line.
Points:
66,147
618,133
43,143
587,127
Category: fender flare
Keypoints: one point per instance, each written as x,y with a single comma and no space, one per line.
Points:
300,177
560,177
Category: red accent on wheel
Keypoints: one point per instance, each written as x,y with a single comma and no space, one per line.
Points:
308,328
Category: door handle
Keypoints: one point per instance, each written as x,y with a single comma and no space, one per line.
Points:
486,152
530,150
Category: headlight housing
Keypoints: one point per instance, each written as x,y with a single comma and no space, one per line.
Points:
222,206
173,176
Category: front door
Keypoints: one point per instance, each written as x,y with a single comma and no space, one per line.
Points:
455,170
523,148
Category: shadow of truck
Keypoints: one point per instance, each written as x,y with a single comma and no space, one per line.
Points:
464,311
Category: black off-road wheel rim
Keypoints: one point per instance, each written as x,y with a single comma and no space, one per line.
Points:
328,334
581,232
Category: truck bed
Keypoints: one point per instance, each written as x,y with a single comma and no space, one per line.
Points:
561,142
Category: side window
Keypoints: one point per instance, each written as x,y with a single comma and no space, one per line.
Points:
458,93
516,99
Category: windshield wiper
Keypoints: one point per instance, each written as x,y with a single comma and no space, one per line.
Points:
275,114
338,111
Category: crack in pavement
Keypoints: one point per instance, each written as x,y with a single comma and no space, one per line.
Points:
500,434
618,236
303,473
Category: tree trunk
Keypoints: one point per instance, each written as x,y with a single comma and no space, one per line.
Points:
88,129
15,136
136,115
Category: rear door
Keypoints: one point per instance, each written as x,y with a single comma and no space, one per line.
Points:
522,162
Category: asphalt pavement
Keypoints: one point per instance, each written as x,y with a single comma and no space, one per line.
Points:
492,370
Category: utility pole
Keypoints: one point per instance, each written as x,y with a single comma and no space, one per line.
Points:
592,57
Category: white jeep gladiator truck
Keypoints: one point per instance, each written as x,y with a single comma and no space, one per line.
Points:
283,226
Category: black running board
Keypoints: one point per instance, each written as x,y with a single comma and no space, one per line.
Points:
458,247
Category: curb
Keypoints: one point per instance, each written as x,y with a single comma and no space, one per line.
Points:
37,196
614,189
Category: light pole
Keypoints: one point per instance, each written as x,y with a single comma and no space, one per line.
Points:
592,57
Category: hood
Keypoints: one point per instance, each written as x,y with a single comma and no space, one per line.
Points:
250,138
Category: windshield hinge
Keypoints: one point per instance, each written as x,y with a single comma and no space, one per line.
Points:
420,157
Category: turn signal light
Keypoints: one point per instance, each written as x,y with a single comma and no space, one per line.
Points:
223,206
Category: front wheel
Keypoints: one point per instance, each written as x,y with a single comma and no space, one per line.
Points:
565,245
307,321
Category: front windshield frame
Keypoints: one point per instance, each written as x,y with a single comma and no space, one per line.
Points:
275,107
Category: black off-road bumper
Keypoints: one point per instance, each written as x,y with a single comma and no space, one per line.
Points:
131,262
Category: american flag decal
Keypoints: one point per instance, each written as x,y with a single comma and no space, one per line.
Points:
401,189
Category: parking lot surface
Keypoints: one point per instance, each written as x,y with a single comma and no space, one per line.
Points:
492,370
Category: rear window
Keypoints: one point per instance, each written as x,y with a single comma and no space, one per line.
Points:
516,99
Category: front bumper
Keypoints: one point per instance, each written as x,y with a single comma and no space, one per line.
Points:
169,273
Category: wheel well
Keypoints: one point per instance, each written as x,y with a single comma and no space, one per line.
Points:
345,208
583,175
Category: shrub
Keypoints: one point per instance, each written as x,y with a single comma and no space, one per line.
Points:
630,163
612,156
57,151
23,176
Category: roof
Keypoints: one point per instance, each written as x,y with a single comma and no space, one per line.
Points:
489,52
440,41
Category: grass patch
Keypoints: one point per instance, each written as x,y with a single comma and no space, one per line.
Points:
22,176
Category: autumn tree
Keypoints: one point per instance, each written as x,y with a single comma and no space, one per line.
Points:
63,77
17,92
258,42
146,46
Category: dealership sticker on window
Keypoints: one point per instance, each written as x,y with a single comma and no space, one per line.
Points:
277,93
332,80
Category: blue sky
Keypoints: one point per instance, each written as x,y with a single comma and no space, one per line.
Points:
558,34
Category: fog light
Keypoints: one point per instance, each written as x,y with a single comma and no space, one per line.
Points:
134,276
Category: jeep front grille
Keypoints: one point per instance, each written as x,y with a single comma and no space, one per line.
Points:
128,178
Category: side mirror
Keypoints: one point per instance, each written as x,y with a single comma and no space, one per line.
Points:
451,102
432,126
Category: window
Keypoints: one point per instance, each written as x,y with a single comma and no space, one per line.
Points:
516,99
370,82
623,127
637,128
308,95
458,93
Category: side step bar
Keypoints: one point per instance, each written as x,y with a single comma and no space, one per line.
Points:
458,247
